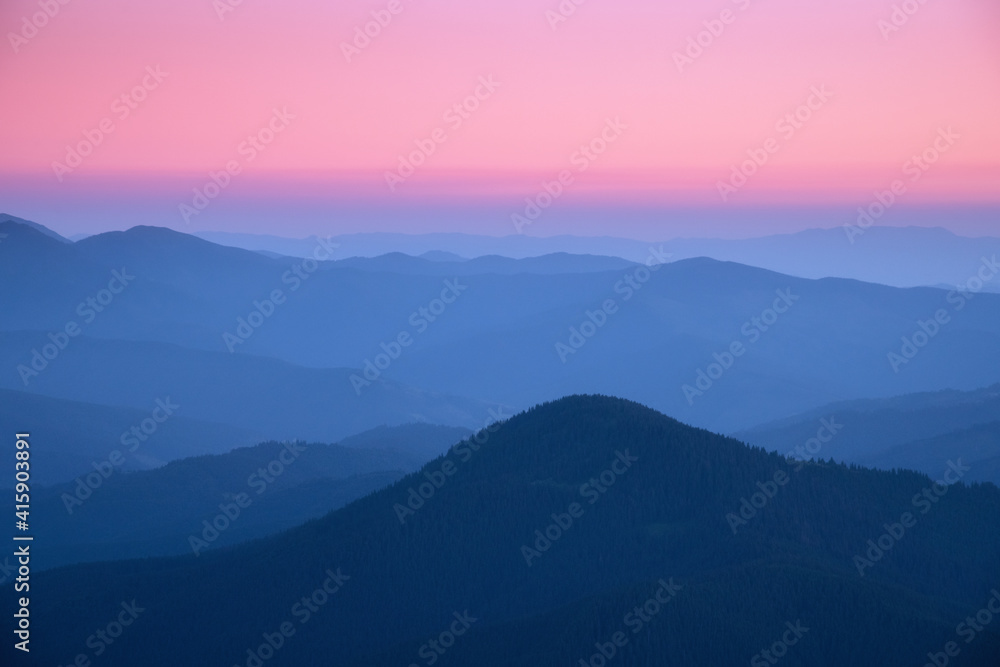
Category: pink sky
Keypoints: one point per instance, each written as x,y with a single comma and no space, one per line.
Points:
684,129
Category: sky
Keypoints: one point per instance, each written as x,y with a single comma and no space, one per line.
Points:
459,116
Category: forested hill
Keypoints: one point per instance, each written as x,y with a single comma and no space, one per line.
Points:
634,505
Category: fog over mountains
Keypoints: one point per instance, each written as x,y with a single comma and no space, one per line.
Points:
522,439
667,329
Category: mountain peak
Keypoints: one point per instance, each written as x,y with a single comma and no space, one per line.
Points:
562,518
6,218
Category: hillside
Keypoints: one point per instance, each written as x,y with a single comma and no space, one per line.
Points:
70,436
642,501
273,398
108,512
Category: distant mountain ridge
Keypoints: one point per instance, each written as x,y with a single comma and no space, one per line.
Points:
915,431
896,256
7,218
512,339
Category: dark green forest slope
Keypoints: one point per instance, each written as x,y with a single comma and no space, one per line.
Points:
634,505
